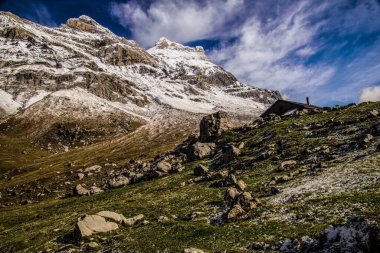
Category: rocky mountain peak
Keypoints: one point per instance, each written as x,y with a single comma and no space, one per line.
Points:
164,43
85,23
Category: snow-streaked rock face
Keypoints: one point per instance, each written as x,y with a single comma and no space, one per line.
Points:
39,65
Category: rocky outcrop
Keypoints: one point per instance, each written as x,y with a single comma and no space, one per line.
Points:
211,126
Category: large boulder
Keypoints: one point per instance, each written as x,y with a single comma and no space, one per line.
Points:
200,150
92,224
211,126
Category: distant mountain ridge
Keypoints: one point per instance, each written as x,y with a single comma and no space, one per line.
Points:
41,70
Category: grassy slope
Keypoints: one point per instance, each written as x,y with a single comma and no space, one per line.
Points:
31,227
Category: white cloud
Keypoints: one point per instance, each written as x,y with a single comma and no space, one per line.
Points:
370,94
181,21
260,54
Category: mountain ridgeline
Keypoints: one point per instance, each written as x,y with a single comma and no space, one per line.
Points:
79,81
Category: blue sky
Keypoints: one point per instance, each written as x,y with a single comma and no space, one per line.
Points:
328,50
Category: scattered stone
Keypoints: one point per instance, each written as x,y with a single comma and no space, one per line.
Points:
92,245
162,219
81,191
235,212
241,145
231,194
282,179
367,138
200,170
132,221
273,191
26,202
118,182
241,185
80,176
290,246
374,113
93,169
200,150
92,224
231,180
164,167
286,165
230,153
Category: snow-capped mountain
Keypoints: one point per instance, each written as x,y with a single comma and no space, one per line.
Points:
82,70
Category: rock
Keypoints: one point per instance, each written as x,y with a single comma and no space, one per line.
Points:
200,170
230,153
93,169
92,224
374,113
92,245
282,179
211,126
80,176
231,194
118,182
290,246
231,180
26,202
273,191
241,185
367,138
132,221
357,235
119,218
162,219
164,167
286,165
192,250
201,150
81,191
95,190
235,212
241,145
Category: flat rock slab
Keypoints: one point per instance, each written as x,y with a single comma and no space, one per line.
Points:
92,224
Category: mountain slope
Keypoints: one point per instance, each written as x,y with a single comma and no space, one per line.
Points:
167,83
329,170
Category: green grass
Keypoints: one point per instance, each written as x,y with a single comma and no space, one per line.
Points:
30,228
